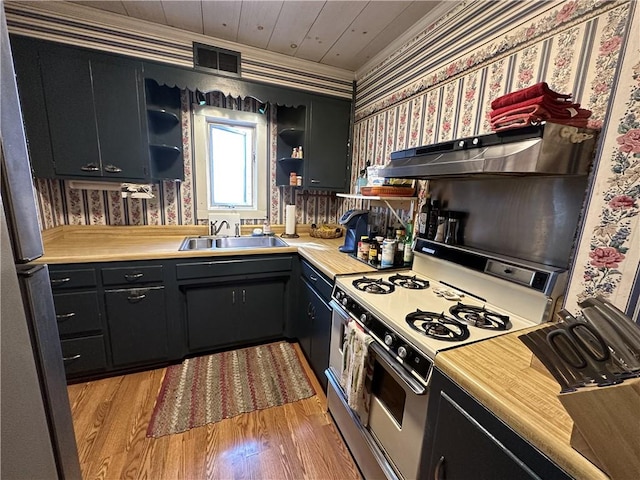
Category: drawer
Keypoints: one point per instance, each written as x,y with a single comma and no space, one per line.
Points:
84,355
221,268
77,312
318,280
77,278
132,275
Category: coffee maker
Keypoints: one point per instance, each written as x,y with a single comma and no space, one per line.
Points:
356,225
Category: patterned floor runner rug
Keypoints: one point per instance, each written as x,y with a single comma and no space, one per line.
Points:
211,388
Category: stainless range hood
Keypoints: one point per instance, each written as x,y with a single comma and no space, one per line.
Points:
546,149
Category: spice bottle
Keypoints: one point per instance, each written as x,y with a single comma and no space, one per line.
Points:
292,179
363,249
373,251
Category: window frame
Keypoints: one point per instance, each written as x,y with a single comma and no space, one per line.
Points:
202,116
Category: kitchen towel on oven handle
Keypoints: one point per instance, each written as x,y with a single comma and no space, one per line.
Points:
357,369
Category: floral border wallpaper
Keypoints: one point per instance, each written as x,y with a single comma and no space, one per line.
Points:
609,253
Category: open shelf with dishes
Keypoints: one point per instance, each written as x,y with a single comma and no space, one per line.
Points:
291,140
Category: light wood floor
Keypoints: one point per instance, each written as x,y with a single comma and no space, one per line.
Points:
293,441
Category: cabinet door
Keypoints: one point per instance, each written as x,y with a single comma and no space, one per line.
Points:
137,325
464,449
304,318
327,164
117,90
320,336
70,110
213,316
262,309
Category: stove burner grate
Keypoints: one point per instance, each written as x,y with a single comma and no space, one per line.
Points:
409,281
480,317
438,326
371,285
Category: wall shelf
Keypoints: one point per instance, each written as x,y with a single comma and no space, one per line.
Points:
399,202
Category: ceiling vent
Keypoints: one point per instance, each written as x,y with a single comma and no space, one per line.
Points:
215,59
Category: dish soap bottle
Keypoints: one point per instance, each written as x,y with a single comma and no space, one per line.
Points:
266,226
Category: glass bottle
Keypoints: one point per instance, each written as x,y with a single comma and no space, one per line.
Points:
408,245
434,213
399,253
423,219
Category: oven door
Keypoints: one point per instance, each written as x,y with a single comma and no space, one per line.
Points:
398,410
397,413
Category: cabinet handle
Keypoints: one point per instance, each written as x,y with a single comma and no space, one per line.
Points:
112,169
60,281
131,277
136,298
313,278
309,310
439,474
65,316
313,180
71,359
90,167
233,297
244,296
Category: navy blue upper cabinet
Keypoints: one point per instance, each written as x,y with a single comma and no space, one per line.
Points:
328,164
82,111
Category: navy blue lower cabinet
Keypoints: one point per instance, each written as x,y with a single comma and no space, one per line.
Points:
465,440
221,315
314,319
137,325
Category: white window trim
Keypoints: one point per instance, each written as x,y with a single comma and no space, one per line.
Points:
202,114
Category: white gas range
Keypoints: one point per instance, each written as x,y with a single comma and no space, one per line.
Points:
450,297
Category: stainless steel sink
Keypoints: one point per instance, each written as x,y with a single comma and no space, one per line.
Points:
205,243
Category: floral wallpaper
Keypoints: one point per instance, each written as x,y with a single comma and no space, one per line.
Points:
575,47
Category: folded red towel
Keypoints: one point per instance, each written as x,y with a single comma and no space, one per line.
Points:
557,108
524,119
523,94
541,112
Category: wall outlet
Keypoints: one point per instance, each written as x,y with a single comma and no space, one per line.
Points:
231,218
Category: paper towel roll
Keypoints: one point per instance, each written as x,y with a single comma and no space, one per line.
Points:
290,219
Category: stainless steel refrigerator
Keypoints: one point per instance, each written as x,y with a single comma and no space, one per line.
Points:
36,430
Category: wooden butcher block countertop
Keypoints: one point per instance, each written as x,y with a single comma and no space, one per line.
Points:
498,373
84,244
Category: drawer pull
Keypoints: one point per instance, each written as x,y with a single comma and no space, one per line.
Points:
60,281
439,472
313,278
112,169
65,316
136,298
71,359
132,277
314,181
90,167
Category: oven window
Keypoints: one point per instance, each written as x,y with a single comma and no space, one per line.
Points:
389,392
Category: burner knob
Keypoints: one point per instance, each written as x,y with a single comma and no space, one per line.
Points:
364,318
339,295
388,339
345,301
402,352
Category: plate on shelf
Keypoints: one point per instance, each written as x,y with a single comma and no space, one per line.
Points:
388,191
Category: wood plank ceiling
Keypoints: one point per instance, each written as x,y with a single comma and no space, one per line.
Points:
344,34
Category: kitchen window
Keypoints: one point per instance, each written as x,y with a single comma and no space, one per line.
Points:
230,149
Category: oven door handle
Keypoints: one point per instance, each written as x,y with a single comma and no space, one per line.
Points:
413,384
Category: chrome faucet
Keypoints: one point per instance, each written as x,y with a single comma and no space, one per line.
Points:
214,230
